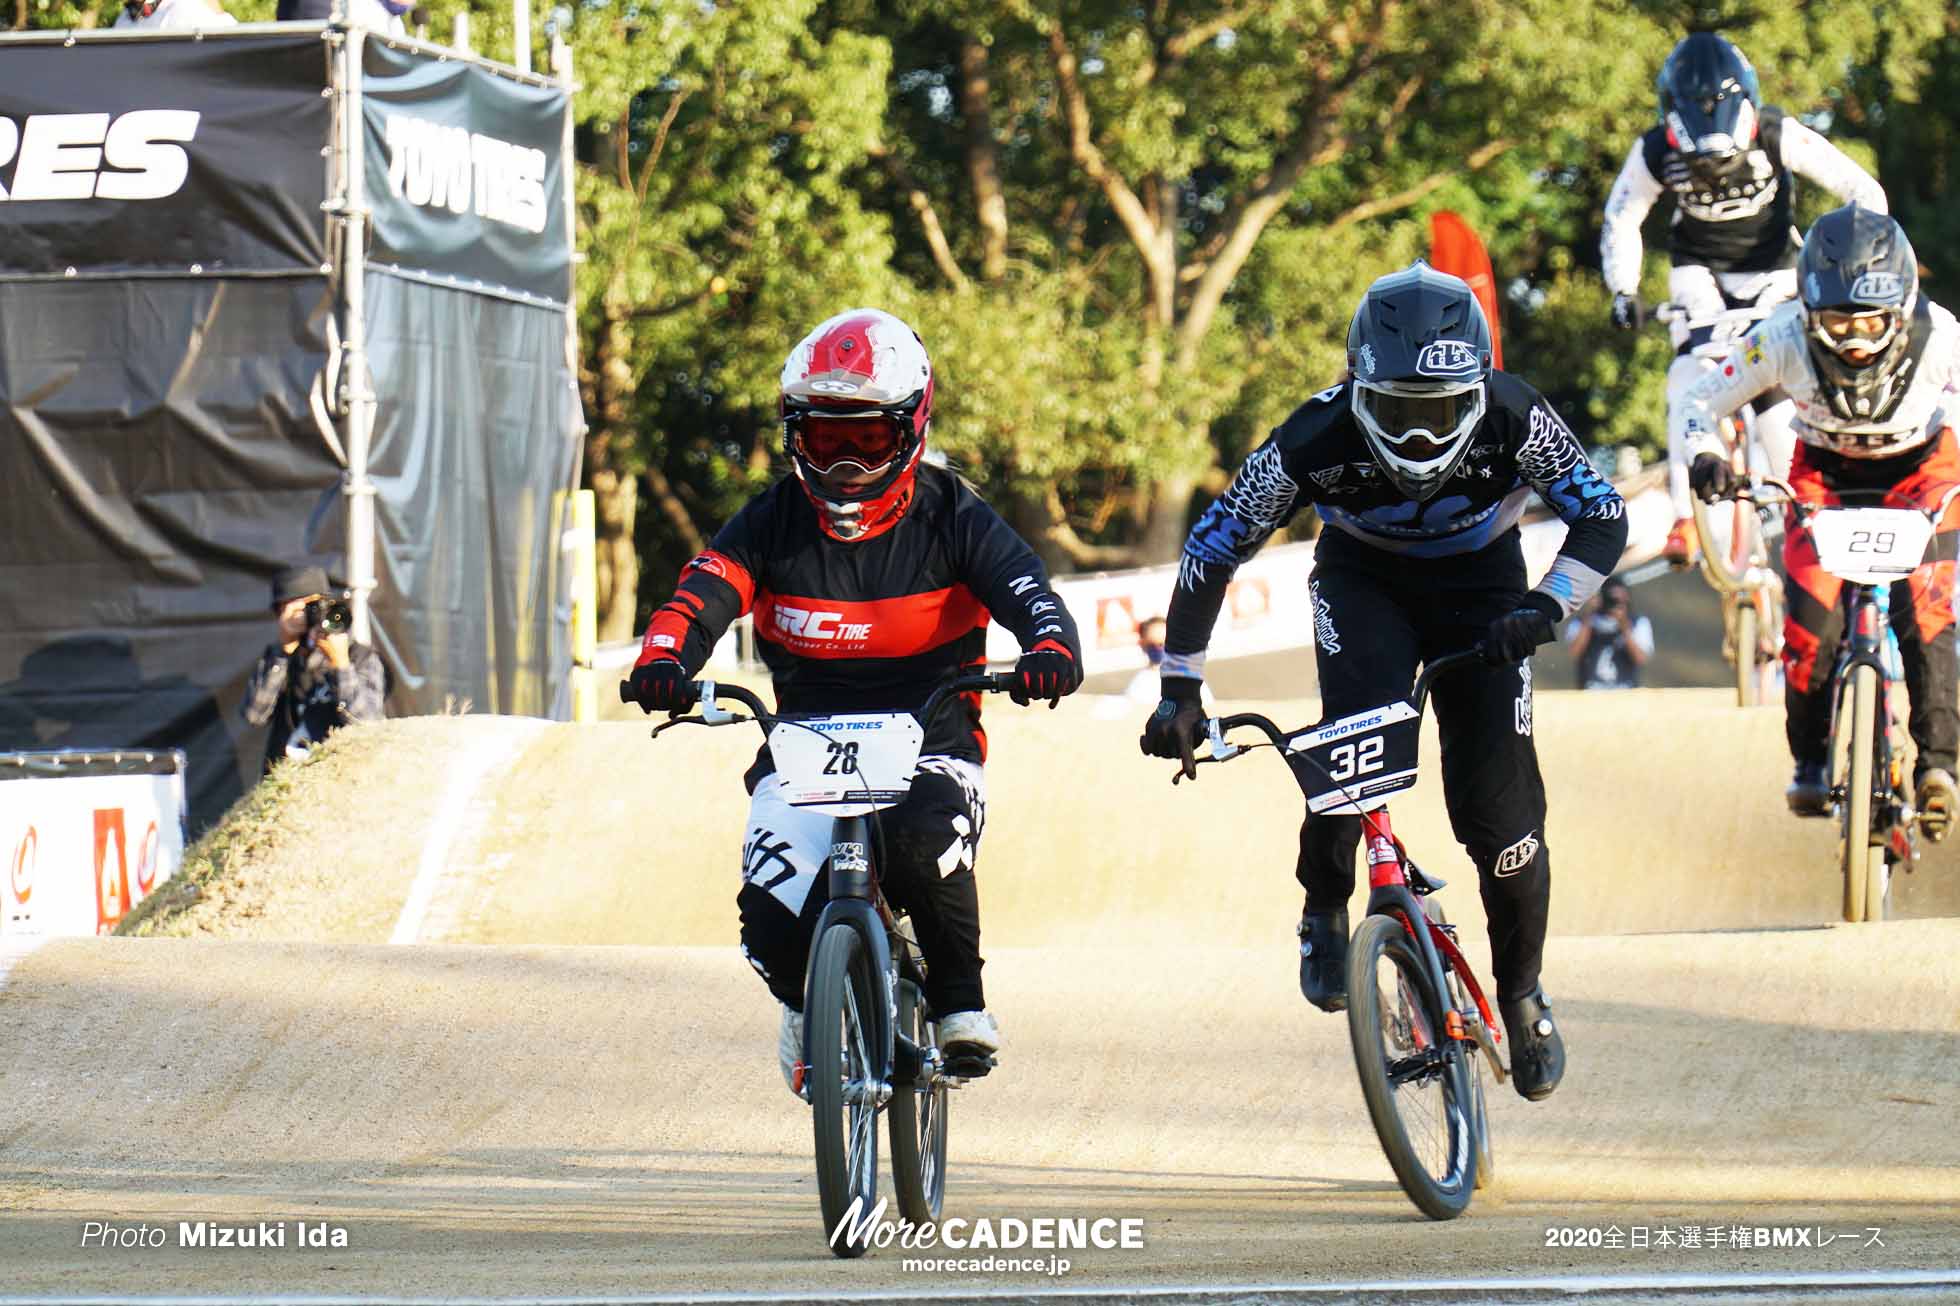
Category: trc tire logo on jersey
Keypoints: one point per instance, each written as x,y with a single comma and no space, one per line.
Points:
826,626
79,156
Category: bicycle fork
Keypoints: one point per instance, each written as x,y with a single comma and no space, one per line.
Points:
1390,872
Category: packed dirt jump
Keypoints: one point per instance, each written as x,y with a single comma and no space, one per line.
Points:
468,989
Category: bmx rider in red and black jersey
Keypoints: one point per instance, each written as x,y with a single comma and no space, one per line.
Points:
871,576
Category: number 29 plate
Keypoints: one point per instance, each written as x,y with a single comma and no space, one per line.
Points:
1355,763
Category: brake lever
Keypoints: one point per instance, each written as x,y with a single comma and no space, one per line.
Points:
1178,775
727,718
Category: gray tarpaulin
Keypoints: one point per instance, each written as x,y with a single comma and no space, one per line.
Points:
469,464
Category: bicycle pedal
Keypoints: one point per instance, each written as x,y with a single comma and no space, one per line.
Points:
968,1065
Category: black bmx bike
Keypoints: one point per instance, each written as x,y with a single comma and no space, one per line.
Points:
1423,1034
870,1042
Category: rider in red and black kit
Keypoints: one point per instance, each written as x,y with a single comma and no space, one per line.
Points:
871,576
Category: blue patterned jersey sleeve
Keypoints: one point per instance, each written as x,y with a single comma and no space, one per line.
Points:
1260,499
1552,463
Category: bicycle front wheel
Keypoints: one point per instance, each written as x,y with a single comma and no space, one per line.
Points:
1860,777
1413,1075
844,1086
1748,669
918,1123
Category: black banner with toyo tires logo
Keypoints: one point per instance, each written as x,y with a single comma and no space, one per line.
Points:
465,176
140,156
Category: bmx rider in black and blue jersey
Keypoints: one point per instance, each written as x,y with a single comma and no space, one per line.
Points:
1420,463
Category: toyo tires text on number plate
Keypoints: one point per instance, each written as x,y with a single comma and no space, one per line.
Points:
1355,763
847,765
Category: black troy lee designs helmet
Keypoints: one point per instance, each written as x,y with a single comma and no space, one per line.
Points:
1859,281
1709,93
1419,350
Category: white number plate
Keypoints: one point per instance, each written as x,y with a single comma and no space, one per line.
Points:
847,765
1870,546
1362,759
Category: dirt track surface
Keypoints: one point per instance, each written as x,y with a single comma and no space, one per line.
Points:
492,1116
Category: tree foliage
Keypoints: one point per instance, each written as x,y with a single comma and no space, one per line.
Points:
1131,234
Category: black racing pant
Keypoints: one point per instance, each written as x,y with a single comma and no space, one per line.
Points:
924,851
1377,616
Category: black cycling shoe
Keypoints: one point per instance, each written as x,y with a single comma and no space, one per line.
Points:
1537,1051
1809,793
1323,959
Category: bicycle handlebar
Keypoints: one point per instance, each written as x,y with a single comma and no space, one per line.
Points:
711,692
1218,727
1751,492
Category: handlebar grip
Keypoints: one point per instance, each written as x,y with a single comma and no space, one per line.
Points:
626,691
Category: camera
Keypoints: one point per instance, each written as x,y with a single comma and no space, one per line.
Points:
329,616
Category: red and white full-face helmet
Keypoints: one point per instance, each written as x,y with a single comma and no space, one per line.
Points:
856,403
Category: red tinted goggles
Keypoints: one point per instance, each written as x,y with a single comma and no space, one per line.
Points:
867,441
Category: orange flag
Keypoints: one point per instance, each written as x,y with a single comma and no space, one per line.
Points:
1455,249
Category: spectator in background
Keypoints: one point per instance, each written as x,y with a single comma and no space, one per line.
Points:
1610,642
390,16
313,678
172,15
1150,638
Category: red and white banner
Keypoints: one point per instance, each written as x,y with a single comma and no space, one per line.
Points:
85,837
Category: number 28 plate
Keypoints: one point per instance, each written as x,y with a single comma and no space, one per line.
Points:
1354,764
847,765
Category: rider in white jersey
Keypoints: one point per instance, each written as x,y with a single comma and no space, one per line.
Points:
1872,368
1729,168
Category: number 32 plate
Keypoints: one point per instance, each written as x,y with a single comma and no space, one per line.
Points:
1354,764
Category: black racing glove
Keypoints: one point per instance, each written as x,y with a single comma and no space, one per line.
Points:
662,685
1629,314
1514,636
1711,477
1177,725
1046,671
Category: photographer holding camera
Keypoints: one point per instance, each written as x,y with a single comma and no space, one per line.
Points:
313,678
1610,642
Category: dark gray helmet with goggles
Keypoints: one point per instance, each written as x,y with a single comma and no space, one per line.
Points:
1708,97
1419,351
1859,281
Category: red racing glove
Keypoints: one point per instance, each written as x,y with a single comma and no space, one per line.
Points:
1048,670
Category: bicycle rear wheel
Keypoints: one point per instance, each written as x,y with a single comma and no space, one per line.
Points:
1860,776
918,1123
844,1086
1412,1075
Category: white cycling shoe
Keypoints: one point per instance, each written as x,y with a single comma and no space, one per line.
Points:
969,1033
789,1049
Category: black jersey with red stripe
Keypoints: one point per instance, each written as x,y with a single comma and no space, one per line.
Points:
872,625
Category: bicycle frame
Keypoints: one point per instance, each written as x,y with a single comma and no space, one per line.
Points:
1863,644
1396,883
851,877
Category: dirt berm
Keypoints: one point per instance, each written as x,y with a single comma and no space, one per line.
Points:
549,1117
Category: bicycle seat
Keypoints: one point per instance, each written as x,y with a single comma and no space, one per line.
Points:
1421,884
